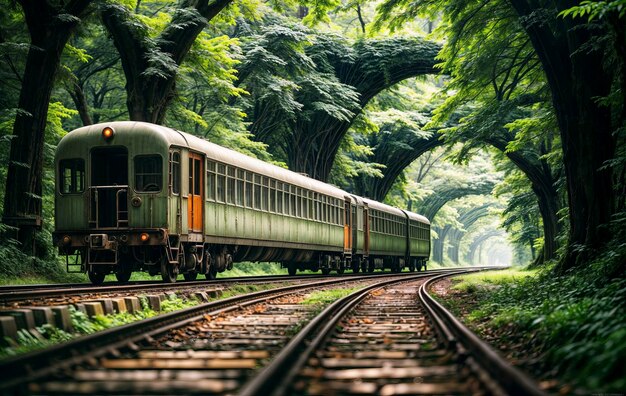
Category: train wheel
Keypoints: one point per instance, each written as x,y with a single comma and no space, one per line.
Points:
123,275
169,273
96,278
364,265
291,269
212,274
371,267
325,271
190,276
356,267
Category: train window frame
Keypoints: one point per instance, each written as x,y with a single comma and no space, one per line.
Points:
256,194
248,198
220,183
279,197
211,183
175,172
239,181
265,194
272,197
136,174
78,177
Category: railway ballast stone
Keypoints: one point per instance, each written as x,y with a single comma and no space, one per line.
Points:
24,318
133,304
171,296
8,328
43,315
62,317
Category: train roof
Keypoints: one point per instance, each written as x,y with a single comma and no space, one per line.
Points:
390,209
214,152
172,137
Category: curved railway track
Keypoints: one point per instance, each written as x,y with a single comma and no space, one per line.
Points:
413,348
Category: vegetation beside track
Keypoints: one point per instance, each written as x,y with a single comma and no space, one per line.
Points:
572,327
83,324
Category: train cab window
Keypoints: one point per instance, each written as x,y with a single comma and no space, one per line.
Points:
175,172
72,172
148,173
221,183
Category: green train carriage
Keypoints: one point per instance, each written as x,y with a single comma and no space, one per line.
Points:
135,196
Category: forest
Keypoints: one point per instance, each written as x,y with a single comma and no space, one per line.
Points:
502,121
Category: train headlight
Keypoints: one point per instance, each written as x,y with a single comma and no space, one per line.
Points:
67,240
108,133
144,237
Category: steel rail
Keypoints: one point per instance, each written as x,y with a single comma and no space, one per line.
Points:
11,294
284,367
456,335
19,370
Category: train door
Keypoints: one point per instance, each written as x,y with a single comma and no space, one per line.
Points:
108,190
366,230
195,201
347,228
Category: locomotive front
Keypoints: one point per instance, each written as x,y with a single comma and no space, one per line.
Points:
111,212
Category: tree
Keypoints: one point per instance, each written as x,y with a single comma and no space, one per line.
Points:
315,110
50,25
151,64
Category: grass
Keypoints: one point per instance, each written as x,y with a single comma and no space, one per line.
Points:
323,297
575,324
489,280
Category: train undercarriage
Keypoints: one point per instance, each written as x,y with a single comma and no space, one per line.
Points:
122,252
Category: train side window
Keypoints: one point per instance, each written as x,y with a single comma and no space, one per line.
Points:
148,173
266,194
288,205
257,192
221,183
230,185
249,189
293,201
72,175
210,181
279,197
272,196
240,181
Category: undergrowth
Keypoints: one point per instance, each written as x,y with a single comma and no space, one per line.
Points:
577,322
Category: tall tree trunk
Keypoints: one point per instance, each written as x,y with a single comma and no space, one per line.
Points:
572,61
80,101
49,34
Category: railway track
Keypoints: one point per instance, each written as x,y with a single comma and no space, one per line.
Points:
133,358
378,340
381,340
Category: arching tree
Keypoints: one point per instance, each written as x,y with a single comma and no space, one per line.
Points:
313,134
468,219
478,241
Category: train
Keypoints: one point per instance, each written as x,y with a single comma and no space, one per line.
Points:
133,196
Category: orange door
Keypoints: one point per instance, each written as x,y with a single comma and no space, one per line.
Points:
194,199
347,228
